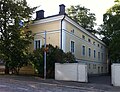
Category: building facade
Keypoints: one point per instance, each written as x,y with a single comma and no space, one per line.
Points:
65,33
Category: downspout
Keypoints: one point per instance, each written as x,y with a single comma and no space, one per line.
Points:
61,32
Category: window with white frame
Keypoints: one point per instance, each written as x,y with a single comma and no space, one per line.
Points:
83,50
98,55
83,37
72,31
89,52
72,48
94,43
37,44
89,40
102,56
94,53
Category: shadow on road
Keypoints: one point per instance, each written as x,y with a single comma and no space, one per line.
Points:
100,79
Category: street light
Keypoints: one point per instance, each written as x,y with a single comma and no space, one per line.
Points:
45,56
44,53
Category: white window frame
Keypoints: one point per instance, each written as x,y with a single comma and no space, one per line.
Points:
94,53
35,43
71,48
84,51
89,53
98,55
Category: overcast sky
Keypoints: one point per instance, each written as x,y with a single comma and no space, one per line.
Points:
51,7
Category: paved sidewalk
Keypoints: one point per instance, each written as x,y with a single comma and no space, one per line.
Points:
66,84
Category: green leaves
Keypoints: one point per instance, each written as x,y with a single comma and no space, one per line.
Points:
54,55
14,42
111,31
82,16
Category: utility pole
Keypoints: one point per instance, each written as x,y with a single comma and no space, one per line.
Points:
45,55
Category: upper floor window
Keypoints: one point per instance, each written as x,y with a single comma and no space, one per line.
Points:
102,56
98,45
94,53
98,55
37,44
83,37
72,31
89,40
72,46
94,43
83,50
89,52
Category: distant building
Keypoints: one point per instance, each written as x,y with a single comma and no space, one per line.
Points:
70,36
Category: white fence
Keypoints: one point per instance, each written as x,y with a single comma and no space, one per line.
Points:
115,74
71,72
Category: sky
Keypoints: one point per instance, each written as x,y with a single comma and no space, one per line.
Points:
51,7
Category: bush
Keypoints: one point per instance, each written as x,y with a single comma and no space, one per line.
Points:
36,59
54,55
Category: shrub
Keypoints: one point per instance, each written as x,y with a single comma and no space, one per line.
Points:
54,55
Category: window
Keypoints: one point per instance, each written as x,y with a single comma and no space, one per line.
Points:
72,31
101,47
37,44
102,56
83,36
89,40
94,66
98,55
94,53
83,50
89,52
102,69
89,66
98,45
94,43
72,47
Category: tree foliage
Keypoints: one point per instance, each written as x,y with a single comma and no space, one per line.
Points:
54,55
111,31
82,16
14,41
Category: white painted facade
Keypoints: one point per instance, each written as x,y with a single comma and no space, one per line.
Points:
115,74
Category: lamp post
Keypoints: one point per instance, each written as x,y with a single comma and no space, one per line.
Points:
44,52
45,56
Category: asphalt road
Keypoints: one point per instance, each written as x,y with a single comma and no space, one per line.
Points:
35,84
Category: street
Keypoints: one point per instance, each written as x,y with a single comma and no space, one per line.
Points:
10,83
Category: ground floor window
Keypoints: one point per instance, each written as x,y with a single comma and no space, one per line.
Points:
37,44
72,44
83,50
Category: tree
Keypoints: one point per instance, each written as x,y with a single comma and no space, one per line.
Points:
111,31
54,55
82,16
37,61
14,41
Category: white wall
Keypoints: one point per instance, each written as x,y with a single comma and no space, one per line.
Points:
115,74
71,72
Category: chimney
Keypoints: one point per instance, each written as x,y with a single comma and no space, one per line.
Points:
39,14
62,9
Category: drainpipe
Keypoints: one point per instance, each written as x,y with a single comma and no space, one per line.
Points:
61,32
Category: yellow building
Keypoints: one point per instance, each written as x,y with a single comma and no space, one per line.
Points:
65,33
